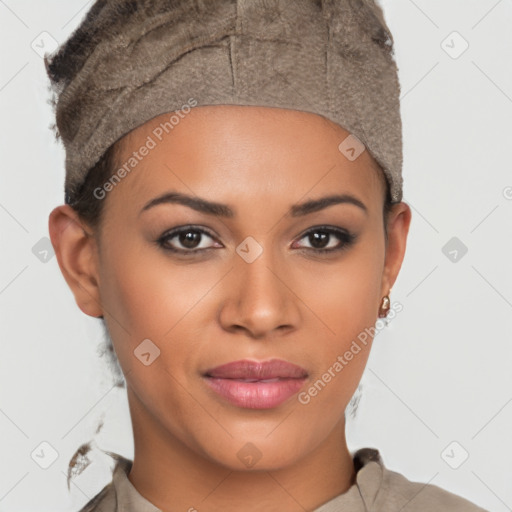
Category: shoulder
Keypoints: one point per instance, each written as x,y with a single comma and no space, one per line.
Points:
385,490
107,499
421,497
104,501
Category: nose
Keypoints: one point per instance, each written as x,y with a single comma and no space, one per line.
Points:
259,299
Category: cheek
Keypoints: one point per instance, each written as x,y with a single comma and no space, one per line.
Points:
153,300
346,306
150,298
147,293
345,294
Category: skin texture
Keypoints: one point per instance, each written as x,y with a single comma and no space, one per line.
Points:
214,307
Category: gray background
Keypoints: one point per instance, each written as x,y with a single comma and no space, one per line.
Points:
438,384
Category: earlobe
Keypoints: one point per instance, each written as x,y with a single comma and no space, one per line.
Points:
76,251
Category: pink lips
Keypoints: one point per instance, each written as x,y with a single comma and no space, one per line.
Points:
256,385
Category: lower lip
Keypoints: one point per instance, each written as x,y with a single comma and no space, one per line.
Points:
255,395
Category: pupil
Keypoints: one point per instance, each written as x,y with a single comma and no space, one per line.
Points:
319,236
187,239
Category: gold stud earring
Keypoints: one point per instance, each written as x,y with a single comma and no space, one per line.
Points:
384,307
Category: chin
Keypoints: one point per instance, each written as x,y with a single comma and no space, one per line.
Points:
255,453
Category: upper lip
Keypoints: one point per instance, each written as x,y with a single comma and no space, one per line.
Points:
260,370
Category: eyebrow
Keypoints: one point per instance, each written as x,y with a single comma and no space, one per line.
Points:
223,210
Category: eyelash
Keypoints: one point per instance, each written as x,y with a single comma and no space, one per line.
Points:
346,238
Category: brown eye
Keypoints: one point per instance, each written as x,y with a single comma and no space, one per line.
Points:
323,239
189,239
185,240
192,240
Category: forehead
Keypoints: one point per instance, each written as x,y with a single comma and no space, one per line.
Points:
232,153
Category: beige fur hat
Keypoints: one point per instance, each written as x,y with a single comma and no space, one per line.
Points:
131,60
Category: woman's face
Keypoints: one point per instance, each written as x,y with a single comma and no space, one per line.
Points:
253,284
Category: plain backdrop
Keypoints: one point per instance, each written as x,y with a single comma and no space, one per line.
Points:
436,396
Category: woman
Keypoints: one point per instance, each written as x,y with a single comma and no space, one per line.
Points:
233,212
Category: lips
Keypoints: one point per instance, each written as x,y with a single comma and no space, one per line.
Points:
256,385
255,371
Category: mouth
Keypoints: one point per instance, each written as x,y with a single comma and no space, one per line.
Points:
256,385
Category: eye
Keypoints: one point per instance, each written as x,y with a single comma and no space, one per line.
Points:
321,239
190,239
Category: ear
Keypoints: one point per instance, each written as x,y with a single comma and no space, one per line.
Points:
398,229
76,250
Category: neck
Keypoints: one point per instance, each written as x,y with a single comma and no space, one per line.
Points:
173,476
